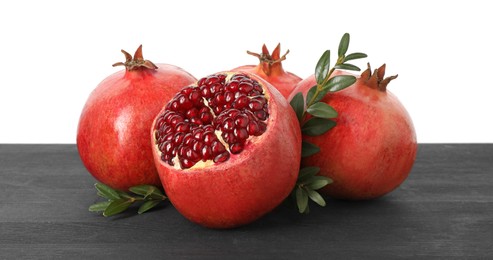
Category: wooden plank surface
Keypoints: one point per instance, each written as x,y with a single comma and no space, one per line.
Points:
445,208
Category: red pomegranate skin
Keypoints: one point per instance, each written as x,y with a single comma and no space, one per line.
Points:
270,69
248,185
372,148
113,130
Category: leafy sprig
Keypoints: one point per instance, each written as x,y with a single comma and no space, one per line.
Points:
315,118
119,201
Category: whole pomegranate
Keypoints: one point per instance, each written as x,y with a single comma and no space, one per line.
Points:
372,148
113,130
270,69
227,149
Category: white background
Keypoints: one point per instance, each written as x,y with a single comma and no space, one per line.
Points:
54,53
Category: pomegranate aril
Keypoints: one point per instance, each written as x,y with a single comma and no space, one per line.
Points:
253,128
262,127
191,113
187,140
178,138
182,127
236,148
209,137
245,87
241,121
186,163
175,119
217,147
206,153
195,97
228,137
196,121
261,115
229,96
255,105
221,157
241,102
240,133
206,117
197,146
228,125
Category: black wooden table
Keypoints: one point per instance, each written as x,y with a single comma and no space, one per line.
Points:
445,208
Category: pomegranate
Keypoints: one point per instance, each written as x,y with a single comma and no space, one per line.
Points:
372,148
227,149
270,69
113,130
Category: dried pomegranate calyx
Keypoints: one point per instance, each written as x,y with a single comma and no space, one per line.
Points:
270,63
136,62
376,80
211,120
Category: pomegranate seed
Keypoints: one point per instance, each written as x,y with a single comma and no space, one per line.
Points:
186,91
195,97
178,138
197,146
240,133
205,92
233,86
206,153
261,114
236,148
209,136
206,117
253,128
255,105
193,112
228,125
187,140
245,87
229,96
228,137
196,121
185,163
221,157
241,120
217,147
182,127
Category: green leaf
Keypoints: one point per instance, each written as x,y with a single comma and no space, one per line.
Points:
340,82
347,66
343,45
101,206
147,191
117,206
308,149
317,126
321,109
317,182
311,93
355,56
316,197
322,68
298,105
106,192
307,173
148,205
301,199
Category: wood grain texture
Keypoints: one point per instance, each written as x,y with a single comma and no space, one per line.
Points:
445,209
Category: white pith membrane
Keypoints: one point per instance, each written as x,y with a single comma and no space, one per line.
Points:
228,127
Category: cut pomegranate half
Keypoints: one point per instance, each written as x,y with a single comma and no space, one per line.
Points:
211,120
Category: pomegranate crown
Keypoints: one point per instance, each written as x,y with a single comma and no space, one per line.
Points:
136,62
376,80
267,60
